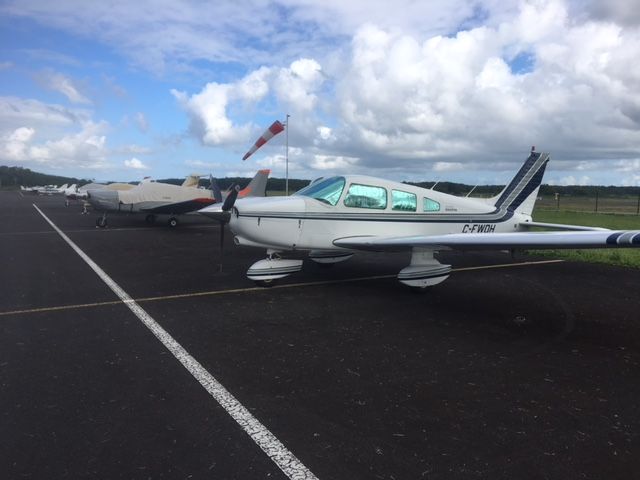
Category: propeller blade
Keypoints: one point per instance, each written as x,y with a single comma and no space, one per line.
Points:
231,199
222,228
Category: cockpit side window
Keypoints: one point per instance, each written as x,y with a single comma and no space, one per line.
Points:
429,205
327,191
403,201
366,196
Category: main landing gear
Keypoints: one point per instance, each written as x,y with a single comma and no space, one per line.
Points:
424,270
101,222
151,220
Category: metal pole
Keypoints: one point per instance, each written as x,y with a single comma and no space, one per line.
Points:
596,201
286,156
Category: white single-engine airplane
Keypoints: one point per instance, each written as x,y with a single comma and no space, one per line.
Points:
156,198
334,217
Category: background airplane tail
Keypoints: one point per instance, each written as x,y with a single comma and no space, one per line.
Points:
521,194
257,186
192,180
215,189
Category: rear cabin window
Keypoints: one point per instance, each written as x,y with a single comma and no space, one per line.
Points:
366,196
429,205
403,201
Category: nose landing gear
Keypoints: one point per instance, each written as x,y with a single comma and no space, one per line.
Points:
264,272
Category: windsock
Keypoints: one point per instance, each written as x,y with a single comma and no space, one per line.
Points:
275,128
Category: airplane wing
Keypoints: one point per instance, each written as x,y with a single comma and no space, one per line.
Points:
178,208
496,241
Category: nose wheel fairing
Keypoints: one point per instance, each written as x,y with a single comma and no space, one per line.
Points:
272,268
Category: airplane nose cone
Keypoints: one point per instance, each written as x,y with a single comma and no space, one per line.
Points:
270,221
103,199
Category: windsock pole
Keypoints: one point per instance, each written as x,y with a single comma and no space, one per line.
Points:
286,156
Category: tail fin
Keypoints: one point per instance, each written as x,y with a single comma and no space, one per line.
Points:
192,180
257,186
217,193
521,194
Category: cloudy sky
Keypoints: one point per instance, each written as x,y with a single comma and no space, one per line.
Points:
411,90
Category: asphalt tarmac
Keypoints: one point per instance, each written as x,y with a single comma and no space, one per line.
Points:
512,368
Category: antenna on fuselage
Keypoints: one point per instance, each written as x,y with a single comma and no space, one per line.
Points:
470,191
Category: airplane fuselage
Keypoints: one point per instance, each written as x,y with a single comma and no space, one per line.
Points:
362,205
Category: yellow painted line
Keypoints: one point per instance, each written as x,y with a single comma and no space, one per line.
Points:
61,307
257,289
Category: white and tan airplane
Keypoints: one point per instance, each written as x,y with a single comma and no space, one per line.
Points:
45,190
335,217
156,198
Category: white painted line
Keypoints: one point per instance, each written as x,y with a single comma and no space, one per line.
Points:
283,458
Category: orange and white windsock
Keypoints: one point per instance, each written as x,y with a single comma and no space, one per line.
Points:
275,128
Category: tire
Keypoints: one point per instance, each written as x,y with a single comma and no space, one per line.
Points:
173,222
101,222
265,283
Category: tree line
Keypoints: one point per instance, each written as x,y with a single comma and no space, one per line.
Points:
13,177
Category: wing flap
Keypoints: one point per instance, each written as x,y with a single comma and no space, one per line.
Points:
561,226
496,241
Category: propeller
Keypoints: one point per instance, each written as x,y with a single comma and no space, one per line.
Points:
231,198
225,215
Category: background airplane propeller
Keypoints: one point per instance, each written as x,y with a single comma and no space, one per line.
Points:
225,216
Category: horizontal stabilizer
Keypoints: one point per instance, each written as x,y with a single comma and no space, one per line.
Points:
560,226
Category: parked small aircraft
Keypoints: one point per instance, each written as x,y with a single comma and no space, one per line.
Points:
334,217
44,190
155,198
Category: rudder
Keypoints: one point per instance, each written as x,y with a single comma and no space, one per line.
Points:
521,193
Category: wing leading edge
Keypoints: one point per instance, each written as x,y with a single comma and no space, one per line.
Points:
496,241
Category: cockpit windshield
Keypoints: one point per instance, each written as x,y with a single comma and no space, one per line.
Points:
327,190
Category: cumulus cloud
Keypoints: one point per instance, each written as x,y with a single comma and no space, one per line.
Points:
296,85
208,110
401,99
135,164
85,149
419,87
